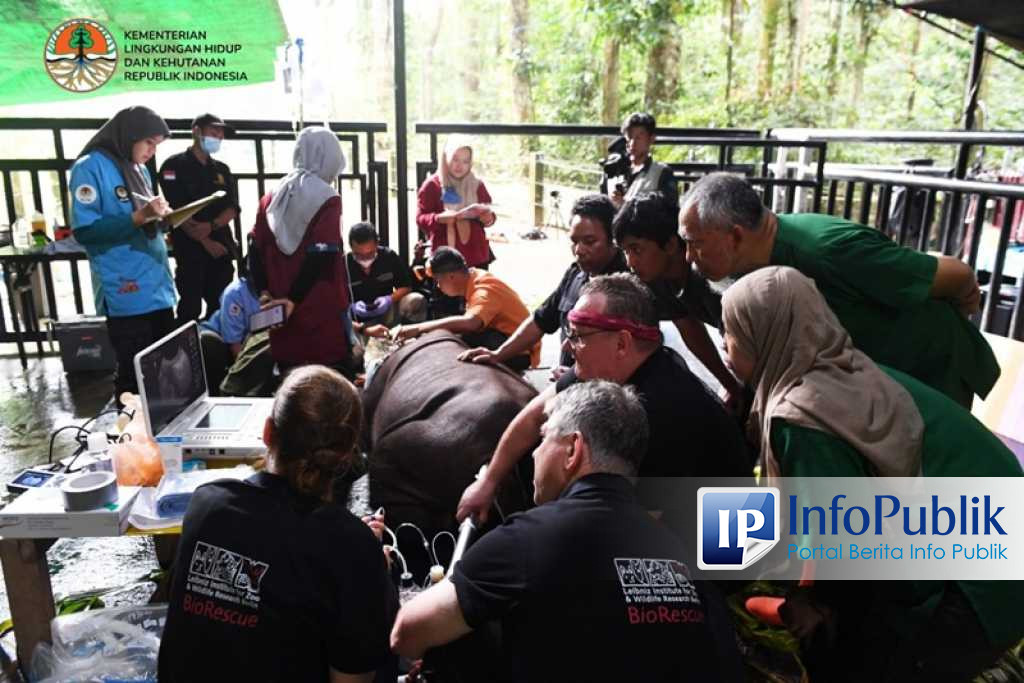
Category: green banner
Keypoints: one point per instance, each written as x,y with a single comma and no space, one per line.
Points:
60,49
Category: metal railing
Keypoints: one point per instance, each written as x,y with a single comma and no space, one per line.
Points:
962,238
37,299
865,193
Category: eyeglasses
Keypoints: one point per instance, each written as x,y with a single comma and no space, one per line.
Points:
575,339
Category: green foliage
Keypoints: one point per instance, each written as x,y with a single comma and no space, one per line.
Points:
471,69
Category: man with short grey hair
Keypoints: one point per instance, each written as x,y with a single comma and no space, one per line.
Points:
614,335
561,577
905,309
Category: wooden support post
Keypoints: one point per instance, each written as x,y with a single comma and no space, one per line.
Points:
29,592
537,189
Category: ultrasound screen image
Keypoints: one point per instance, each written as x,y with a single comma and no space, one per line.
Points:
172,375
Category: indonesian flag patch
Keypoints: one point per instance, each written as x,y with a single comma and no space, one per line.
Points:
169,175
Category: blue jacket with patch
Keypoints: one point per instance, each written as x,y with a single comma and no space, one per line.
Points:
237,305
130,274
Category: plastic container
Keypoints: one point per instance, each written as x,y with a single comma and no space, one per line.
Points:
21,234
38,235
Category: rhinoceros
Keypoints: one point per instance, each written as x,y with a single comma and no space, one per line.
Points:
431,422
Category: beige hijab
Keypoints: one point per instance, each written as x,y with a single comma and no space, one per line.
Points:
466,187
807,371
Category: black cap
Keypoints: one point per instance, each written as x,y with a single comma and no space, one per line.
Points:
211,120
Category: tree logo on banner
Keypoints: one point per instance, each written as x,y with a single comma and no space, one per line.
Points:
80,55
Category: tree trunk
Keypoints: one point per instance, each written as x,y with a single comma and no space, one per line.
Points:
729,29
662,83
385,41
610,82
867,27
766,58
803,20
791,37
427,69
609,88
521,89
915,45
832,65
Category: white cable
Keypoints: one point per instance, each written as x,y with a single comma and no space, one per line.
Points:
433,543
423,536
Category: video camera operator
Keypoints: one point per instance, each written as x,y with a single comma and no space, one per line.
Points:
629,169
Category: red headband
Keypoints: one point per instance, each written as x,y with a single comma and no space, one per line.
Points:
606,322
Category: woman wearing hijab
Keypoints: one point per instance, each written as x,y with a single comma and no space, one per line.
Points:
453,206
822,408
296,256
113,215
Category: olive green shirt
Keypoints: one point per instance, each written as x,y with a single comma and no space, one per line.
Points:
955,445
880,293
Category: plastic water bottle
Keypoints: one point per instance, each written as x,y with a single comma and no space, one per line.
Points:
20,234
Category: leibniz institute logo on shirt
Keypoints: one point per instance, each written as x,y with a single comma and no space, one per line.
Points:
80,55
736,526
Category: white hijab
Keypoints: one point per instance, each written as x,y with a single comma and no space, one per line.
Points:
317,161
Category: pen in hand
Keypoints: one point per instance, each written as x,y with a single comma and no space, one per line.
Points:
155,207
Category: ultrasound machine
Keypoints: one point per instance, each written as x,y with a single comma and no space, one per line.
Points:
176,401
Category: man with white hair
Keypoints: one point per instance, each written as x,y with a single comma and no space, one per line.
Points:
905,309
564,578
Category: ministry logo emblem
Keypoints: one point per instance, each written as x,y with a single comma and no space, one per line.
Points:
80,55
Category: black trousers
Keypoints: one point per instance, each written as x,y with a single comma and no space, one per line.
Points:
130,334
198,277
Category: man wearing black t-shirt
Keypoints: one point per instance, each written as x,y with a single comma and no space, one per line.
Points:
645,230
590,231
203,245
614,336
381,284
571,580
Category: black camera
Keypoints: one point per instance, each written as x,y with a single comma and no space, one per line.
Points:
616,164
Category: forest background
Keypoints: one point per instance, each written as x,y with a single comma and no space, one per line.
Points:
701,63
692,63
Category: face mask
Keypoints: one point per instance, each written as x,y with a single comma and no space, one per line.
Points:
366,262
210,144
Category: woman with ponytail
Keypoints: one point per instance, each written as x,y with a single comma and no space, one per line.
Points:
275,580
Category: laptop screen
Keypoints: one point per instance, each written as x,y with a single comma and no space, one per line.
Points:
172,376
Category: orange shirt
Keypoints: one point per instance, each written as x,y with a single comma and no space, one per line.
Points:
500,308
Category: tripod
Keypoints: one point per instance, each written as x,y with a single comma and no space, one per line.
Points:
555,211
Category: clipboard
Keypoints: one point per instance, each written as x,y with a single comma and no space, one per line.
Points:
183,213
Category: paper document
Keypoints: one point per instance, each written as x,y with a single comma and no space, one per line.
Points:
182,214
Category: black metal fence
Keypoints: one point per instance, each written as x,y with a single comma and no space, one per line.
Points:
29,278
939,212
363,167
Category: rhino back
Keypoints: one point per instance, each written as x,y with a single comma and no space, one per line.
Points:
433,421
